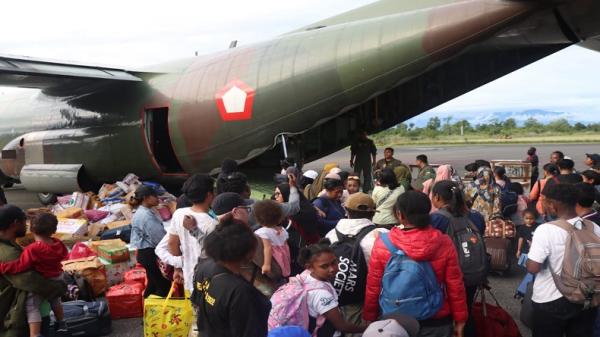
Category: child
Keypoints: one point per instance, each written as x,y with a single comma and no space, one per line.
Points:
353,185
44,256
525,235
321,266
274,237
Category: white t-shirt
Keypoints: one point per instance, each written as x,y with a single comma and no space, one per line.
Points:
549,245
320,300
190,246
353,227
271,234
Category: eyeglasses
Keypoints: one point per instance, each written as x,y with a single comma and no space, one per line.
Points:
247,208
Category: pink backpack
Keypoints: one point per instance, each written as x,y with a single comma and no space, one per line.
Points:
290,306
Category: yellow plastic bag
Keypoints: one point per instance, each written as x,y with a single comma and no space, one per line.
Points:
167,317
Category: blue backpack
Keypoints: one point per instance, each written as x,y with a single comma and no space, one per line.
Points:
409,287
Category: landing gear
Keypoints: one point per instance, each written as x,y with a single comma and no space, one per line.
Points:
47,198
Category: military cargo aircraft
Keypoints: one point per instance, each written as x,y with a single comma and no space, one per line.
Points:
309,89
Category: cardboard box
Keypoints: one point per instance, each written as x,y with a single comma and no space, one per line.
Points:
114,253
70,213
79,200
127,212
81,264
115,271
94,245
72,226
118,224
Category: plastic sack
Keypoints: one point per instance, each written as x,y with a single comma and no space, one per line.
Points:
126,300
94,215
167,316
80,250
165,213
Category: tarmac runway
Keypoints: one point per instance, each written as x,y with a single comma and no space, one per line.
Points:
458,156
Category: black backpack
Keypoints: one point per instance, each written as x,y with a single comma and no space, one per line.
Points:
508,201
351,280
470,248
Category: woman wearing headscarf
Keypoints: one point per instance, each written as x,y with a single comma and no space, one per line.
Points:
484,194
404,176
311,191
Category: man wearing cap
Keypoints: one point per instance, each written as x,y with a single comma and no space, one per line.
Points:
360,209
592,159
147,231
232,204
395,325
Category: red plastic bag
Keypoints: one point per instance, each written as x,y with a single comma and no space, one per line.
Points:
493,320
136,275
94,215
126,300
80,250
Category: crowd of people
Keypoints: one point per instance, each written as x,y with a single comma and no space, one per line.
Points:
330,255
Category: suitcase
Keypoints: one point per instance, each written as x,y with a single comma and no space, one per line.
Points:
123,233
499,251
84,319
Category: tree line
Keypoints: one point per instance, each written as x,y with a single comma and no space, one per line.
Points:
447,127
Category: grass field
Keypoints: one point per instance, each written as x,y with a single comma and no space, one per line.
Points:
394,140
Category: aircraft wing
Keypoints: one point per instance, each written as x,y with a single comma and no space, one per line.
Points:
56,77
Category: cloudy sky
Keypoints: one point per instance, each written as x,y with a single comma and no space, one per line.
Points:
132,33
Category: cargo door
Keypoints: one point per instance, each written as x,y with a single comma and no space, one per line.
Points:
156,127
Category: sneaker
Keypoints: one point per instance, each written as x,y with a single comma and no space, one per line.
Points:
61,326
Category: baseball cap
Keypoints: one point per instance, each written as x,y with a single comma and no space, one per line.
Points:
594,157
312,174
393,325
360,202
333,176
225,202
144,191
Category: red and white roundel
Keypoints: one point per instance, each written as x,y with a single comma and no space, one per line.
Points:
235,101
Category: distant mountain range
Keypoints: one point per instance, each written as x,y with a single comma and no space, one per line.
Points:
543,116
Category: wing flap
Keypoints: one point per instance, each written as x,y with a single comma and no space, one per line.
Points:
25,72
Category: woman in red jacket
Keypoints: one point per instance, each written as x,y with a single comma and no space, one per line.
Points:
421,242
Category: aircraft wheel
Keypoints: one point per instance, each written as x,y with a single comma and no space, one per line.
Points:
47,198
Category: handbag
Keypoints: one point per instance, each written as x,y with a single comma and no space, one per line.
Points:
168,316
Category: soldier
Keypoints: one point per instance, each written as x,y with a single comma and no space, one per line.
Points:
388,160
426,172
362,159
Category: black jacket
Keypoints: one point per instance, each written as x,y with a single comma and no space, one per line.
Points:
228,305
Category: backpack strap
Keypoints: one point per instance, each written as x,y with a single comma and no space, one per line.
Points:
563,224
384,199
390,246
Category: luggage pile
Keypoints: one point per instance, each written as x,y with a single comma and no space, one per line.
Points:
103,278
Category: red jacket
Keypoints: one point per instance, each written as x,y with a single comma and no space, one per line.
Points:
426,244
39,256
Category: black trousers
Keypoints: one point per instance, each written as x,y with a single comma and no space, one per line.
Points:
562,318
157,284
470,325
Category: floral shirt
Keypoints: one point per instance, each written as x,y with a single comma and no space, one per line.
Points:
485,200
